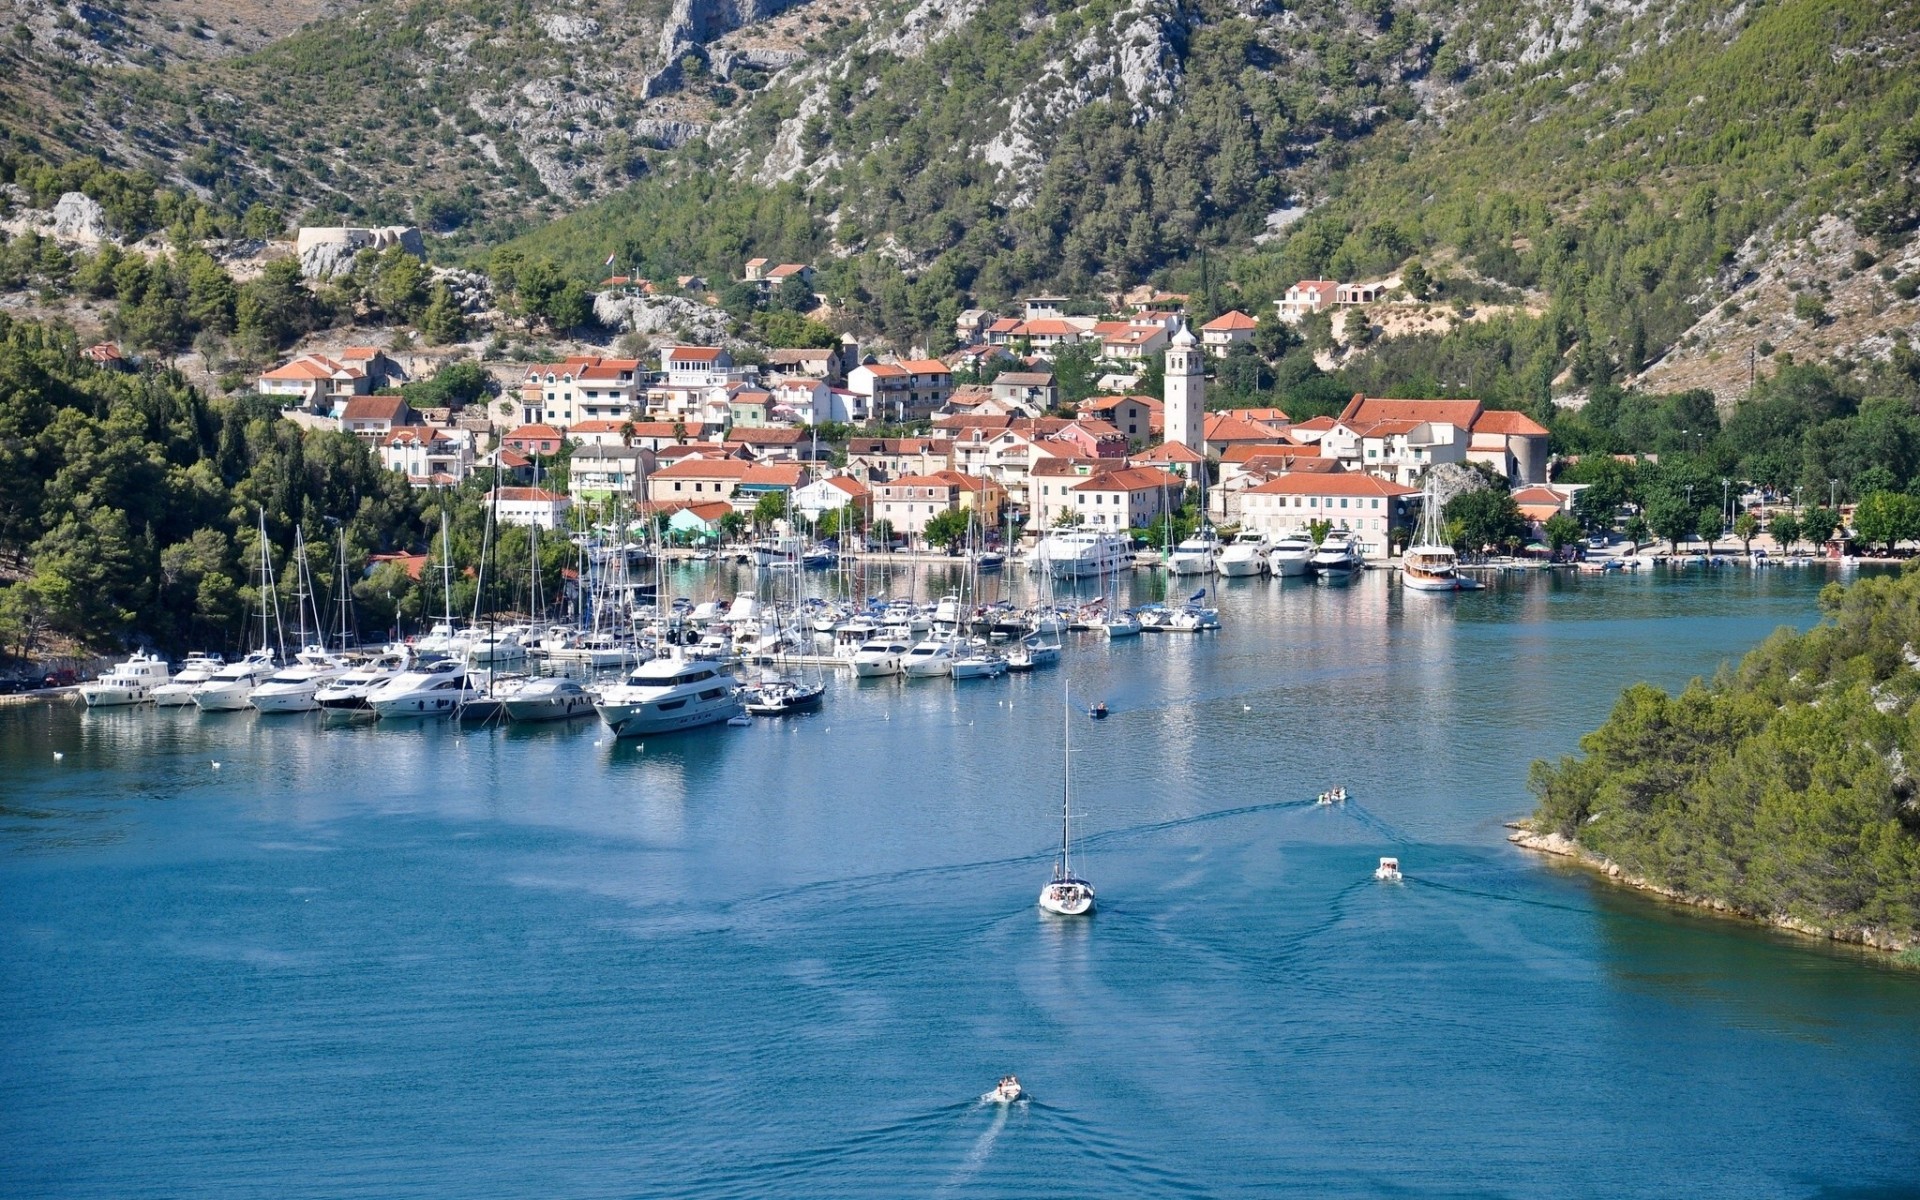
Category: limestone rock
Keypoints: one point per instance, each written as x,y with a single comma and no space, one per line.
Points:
326,251
80,216
674,315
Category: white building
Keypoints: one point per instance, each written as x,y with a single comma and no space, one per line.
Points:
1130,498
1186,391
1307,297
1367,507
530,506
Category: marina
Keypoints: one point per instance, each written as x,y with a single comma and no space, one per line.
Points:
531,956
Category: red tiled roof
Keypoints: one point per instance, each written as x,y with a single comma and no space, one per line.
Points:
1228,322
704,354
534,433
374,408
1344,483
703,468
1176,452
766,437
1131,479
1224,427
526,495
1510,423
1365,410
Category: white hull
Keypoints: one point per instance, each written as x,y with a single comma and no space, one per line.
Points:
278,698
639,720
173,695
423,704
230,697
1423,582
1240,568
1190,564
550,708
1082,554
112,696
1122,629
979,668
876,668
1289,564
1073,898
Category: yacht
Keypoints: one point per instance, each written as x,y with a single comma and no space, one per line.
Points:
1337,560
1194,555
130,682
443,638
1079,553
977,662
778,696
1193,617
1290,556
933,656
232,686
1246,554
503,644
1429,564
296,689
427,689
348,691
880,656
1122,624
555,698
178,691
669,694
1067,895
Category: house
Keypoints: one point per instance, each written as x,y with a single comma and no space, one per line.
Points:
1036,391
1045,306
761,478
1512,443
1172,457
1129,498
1367,507
695,366
371,418
833,494
1091,437
773,277
598,471
1540,501
828,364
1307,297
1273,418
1050,483
428,456
1134,342
581,388
1359,293
805,401
1403,450
768,444
1221,431
534,439
696,479
380,368
1227,330
753,271
886,458
908,503
899,392
314,382
507,466
748,406
106,356
600,433
532,506
971,325
1131,415
699,522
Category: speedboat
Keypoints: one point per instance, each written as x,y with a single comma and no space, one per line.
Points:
880,656
496,645
1194,555
1290,556
1007,1091
1099,711
978,662
349,690
129,682
1079,553
1246,554
296,689
670,694
933,656
1388,871
178,691
554,698
1337,560
232,686
429,689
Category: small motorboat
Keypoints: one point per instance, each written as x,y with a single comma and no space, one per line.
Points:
740,720
1099,711
1333,796
1007,1091
1388,871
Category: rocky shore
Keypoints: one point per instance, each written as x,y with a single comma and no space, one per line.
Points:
1527,838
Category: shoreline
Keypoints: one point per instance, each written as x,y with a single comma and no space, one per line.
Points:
1556,845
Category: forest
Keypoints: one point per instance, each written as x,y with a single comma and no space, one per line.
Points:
1781,787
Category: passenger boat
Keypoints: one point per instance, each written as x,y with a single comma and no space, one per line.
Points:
1429,564
777,696
977,662
670,694
928,658
296,688
129,682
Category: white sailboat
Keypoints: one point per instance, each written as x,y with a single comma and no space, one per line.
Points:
1066,895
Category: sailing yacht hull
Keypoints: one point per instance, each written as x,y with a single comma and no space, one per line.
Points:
1068,898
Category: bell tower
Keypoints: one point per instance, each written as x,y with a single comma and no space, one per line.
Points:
1186,392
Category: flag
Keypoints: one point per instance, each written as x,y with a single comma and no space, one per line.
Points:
609,260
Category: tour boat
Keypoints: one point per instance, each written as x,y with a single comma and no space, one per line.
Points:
129,682
1290,556
177,692
1337,560
1007,1091
670,694
1079,553
1388,871
1066,894
229,688
879,656
1429,564
348,691
553,698
1246,554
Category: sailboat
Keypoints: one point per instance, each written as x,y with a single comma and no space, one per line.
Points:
1429,564
1067,895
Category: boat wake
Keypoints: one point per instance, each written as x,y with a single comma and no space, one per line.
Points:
982,1147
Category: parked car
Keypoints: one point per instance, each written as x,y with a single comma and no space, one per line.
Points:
64,677
13,687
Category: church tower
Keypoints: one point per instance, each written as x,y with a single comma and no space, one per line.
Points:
1186,392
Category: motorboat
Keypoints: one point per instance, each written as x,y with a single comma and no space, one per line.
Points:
1193,617
1335,795
229,688
1290,557
348,691
929,657
442,638
670,694
977,662
1123,624
436,688
1245,555
1388,871
129,682
548,698
1098,711
503,644
880,656
989,560
1195,555
1337,560
1007,1091
1429,563
296,688
1080,553
777,696
1033,651
1154,617
177,691
1066,894
948,613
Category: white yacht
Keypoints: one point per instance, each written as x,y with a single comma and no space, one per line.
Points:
130,682
880,656
503,644
1194,555
1337,560
555,698
295,689
977,662
443,638
177,692
427,689
229,688
1429,564
1290,556
1122,624
1246,554
933,656
1079,553
670,694
349,690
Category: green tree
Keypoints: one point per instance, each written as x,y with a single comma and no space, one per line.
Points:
1416,280
1746,527
1561,530
771,507
1785,530
1817,525
1317,531
948,529
1672,518
443,321
1885,518
1637,531
1489,518
731,526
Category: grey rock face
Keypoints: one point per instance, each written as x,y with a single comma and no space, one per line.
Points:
80,216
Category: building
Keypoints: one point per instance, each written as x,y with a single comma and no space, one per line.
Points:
885,458
804,401
532,506
699,522
534,439
598,471
1129,498
581,388
1090,437
1171,457
1033,391
1227,330
1131,415
429,456
314,382
1133,342
696,366
1359,293
833,494
1307,297
1049,488
908,503
1367,507
1185,407
899,392
372,418
768,444
828,364
1512,443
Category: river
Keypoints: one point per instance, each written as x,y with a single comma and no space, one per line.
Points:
419,960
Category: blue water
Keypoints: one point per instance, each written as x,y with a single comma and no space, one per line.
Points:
786,960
